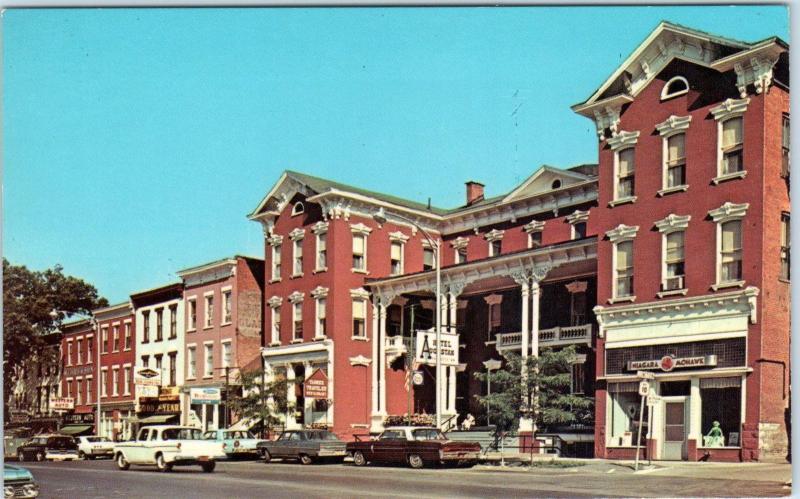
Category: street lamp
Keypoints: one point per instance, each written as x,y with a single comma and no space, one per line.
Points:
381,218
55,314
490,365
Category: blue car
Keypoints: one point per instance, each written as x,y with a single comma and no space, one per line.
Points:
18,482
235,443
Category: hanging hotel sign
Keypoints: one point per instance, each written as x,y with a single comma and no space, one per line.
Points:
426,348
316,385
147,377
205,395
667,363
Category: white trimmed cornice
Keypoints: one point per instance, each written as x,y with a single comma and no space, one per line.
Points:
623,139
729,211
398,237
459,242
359,293
360,228
622,232
729,108
296,297
319,227
673,124
757,71
533,226
275,301
319,292
360,360
494,235
275,240
673,222
296,234
578,216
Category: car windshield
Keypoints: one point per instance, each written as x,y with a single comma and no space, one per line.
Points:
97,439
181,434
428,434
237,434
321,435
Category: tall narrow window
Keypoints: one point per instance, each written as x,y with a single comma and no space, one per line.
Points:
115,382
173,322
578,230
298,257
69,353
104,382
88,390
89,349
146,326
625,173
297,321
128,337
78,345
227,313
321,321
145,361
173,368
276,262
115,336
104,339
732,145
208,370
731,251
322,251
359,252
427,259
192,314
191,362
126,381
160,366
359,318
674,261
623,269
396,258
461,254
227,354
276,322
209,310
785,139
535,239
160,324
676,160
78,391
495,247
786,246
578,377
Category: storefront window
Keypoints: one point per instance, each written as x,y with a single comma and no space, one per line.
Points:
722,402
625,406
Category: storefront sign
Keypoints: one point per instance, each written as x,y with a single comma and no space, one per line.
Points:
62,403
147,377
71,372
668,363
425,352
316,385
83,418
169,392
155,405
205,396
146,391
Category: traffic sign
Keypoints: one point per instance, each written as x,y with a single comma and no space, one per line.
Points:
652,399
644,388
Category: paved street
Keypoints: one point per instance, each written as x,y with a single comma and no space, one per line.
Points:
101,479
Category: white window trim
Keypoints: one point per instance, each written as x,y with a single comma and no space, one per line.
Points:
127,382
69,352
533,227
206,374
295,305
88,380
115,381
206,308
115,336
618,143
276,242
104,340
666,94
728,109
673,125
297,236
68,383
360,229
671,223
619,234
229,343
104,382
492,236
274,304
229,291
189,374
189,301
79,349
321,230
298,208
576,217
726,213
128,327
359,294
402,244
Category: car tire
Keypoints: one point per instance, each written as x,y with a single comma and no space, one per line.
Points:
122,463
82,455
305,459
162,465
40,456
415,461
208,467
21,456
359,459
266,456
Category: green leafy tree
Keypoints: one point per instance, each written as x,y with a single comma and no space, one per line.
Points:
261,401
29,298
536,388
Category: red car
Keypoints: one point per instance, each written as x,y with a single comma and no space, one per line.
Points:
415,446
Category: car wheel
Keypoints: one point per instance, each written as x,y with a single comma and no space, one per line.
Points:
306,459
122,463
359,459
162,464
208,467
81,455
266,456
21,456
40,456
415,461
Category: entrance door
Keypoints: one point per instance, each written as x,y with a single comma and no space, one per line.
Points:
675,429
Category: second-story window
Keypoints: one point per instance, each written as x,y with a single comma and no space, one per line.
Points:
625,174
104,340
396,258
297,268
731,251
209,311
732,146
173,368
359,318
321,317
160,366
359,252
192,314
297,321
427,259
676,160
146,326
623,269
322,251
276,262
128,338
785,139
160,324
173,322
115,336
674,273
227,313
786,246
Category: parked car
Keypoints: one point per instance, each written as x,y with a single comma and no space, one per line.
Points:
43,447
166,446
235,443
19,483
13,438
415,446
305,446
92,446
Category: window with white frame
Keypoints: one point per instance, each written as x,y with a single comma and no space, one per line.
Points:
78,345
396,258
359,252
460,250
677,85
495,239
209,311
321,320
535,239
79,390
359,317
160,365
104,340
128,336
191,361
785,140
126,380
276,261
732,146
298,208
69,387
88,382
115,336
115,382
625,173
145,361
675,161
297,321
226,306
674,261
297,257
103,382
578,220
208,367
322,251
69,353
786,246
227,354
192,302
728,218
623,269
428,259
145,326
275,320
89,349
160,324
173,321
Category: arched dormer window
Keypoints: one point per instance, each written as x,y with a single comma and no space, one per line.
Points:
556,184
676,86
298,208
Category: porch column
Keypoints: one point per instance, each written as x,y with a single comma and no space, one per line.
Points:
523,279
451,308
291,398
695,414
377,420
382,356
536,292
451,398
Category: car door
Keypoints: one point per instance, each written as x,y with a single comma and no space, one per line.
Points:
387,446
281,446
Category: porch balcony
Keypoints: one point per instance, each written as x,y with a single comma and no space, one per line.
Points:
557,336
395,347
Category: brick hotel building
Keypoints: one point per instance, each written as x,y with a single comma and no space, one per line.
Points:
669,255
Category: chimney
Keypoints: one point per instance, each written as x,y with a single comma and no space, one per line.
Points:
474,192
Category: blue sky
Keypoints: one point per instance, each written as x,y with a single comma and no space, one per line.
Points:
135,142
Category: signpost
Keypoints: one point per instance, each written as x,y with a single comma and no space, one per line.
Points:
644,390
652,400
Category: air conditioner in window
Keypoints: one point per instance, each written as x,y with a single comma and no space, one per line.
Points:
673,283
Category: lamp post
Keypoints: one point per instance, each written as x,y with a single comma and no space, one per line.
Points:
490,365
381,218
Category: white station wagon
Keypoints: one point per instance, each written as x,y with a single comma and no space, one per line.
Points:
166,446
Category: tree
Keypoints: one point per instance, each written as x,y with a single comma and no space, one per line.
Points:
536,388
29,297
261,401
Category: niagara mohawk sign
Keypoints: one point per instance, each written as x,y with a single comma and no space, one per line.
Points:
668,363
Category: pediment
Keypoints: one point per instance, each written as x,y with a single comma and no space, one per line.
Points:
284,192
543,181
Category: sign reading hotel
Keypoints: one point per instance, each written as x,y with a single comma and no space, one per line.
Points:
425,352
208,396
62,403
147,377
316,385
667,363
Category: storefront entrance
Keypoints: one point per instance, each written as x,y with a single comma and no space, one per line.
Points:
676,429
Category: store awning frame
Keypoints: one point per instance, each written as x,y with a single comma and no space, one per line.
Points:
156,419
75,429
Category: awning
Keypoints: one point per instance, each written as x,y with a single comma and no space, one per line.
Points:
75,429
157,419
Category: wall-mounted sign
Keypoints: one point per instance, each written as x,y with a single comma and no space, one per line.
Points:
418,378
146,391
157,406
147,377
205,396
644,388
71,372
83,418
425,353
62,403
316,385
668,363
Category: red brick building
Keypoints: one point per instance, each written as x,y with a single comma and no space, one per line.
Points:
693,224
78,372
117,360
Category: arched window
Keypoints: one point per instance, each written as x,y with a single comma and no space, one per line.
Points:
556,184
674,87
298,208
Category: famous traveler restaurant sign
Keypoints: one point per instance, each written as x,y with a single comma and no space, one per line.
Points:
668,363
